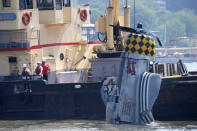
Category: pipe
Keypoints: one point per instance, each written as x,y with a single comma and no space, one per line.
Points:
126,3
110,3
110,37
126,18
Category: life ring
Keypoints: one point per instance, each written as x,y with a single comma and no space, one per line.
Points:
83,15
26,18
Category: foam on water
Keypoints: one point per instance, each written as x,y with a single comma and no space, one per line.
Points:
85,125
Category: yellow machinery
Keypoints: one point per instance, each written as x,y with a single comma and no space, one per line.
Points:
113,37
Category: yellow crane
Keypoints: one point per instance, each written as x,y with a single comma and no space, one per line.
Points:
113,37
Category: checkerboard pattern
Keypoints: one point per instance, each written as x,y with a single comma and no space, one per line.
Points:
140,44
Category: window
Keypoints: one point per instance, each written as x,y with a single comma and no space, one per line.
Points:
58,4
45,4
6,3
67,3
25,4
13,65
12,60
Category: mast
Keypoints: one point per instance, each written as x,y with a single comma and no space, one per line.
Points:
110,21
126,17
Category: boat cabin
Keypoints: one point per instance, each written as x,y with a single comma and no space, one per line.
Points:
23,14
34,29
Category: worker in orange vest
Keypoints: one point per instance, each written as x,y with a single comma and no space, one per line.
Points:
25,72
45,70
38,69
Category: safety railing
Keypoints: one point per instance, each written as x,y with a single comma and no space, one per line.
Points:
19,39
89,34
20,77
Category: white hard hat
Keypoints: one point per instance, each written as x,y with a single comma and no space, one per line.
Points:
38,62
43,59
24,65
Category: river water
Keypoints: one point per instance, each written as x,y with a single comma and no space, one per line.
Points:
86,125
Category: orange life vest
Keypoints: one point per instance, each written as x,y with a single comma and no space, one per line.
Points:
25,73
38,70
45,69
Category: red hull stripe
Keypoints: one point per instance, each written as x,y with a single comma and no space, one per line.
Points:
96,42
46,45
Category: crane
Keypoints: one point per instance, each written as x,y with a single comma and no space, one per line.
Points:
110,26
108,34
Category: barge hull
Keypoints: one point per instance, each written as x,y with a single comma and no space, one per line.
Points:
177,100
58,101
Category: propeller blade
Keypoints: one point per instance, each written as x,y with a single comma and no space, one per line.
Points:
157,38
159,41
125,29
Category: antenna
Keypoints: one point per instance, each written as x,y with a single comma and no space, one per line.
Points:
126,3
106,7
134,14
165,34
110,3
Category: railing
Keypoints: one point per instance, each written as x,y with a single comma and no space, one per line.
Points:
89,34
19,39
20,77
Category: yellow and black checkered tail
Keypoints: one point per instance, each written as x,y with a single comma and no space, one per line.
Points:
140,44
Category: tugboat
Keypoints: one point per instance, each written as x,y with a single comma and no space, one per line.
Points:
52,29
62,34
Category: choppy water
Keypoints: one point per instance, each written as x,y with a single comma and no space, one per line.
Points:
82,125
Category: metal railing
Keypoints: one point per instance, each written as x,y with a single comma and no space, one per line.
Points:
89,34
19,39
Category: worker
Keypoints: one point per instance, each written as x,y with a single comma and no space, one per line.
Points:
38,69
45,70
25,72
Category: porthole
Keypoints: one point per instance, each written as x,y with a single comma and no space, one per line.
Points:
61,56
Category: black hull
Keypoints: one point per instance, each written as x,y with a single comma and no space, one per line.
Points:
59,101
177,100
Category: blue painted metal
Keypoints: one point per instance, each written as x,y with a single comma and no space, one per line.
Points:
7,16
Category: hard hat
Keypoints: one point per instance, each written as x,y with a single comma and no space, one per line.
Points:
43,59
38,62
24,65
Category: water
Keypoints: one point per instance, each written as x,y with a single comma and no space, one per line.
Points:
84,125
